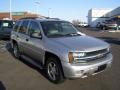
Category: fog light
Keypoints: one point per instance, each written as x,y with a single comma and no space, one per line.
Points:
80,72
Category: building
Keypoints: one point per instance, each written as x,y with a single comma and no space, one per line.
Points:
17,15
114,15
97,15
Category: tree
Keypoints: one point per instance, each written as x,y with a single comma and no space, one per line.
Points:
75,22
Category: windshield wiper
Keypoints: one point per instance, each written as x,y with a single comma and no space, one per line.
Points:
64,35
56,35
72,34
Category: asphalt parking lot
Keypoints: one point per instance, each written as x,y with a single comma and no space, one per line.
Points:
19,75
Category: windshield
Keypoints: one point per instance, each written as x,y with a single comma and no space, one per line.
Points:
7,24
58,29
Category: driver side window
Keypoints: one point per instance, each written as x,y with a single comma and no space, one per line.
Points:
34,30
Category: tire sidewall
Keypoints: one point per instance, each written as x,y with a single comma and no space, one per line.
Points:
17,55
59,78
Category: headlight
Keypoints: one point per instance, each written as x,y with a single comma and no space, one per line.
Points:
108,49
73,55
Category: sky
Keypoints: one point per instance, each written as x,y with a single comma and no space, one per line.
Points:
63,9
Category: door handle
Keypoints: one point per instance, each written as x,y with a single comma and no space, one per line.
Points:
17,36
27,39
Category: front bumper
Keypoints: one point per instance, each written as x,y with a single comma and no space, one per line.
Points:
3,35
83,70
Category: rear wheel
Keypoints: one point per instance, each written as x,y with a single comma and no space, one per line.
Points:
54,70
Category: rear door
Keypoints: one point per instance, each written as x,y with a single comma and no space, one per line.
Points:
22,36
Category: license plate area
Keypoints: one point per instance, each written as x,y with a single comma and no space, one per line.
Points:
101,68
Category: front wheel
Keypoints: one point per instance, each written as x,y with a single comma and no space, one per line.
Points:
54,71
16,51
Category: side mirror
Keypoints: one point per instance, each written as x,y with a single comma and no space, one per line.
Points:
83,34
36,35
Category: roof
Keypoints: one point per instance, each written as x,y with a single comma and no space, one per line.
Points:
42,19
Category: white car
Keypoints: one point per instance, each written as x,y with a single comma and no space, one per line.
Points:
83,24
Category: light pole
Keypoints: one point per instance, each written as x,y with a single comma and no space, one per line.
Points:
10,11
37,5
49,12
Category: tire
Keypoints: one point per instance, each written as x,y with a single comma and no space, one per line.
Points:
104,28
54,71
16,51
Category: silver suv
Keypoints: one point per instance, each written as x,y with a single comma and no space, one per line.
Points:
59,48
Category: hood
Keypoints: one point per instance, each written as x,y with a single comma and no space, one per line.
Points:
81,43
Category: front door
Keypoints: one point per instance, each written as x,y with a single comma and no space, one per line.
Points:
35,42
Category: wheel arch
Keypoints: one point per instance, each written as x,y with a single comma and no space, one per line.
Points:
49,54
13,42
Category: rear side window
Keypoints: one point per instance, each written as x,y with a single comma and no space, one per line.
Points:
7,24
23,27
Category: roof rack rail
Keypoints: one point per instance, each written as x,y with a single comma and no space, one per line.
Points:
54,18
32,18
39,18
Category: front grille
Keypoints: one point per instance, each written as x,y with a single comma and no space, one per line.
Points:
95,55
